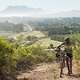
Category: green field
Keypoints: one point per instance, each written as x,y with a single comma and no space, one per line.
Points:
38,34
46,42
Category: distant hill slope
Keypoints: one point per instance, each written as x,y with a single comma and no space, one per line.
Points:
36,12
72,13
20,11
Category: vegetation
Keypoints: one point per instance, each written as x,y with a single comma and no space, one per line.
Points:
12,57
7,58
45,42
60,37
57,28
31,38
57,25
76,37
6,26
37,34
19,57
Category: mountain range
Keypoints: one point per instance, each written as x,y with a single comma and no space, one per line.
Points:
36,12
21,11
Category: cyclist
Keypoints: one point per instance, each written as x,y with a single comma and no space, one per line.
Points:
69,50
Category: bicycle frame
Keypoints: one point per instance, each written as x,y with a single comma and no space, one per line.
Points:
63,57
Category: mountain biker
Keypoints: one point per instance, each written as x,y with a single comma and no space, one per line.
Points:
69,50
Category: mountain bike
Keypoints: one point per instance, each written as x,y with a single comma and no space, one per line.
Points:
62,56
62,60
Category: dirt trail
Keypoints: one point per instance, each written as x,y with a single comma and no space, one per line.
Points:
48,71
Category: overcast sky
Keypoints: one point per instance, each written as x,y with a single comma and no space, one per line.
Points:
52,5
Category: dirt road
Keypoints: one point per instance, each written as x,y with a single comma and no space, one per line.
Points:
48,71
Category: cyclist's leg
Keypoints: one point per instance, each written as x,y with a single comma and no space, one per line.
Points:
67,62
64,61
62,66
71,65
70,56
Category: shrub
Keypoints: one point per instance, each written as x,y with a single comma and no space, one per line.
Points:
7,58
41,54
25,55
21,57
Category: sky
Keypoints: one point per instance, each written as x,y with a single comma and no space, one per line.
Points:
51,5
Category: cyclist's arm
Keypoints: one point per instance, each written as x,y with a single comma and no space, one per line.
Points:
61,45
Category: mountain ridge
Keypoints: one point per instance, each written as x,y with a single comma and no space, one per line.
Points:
20,11
36,12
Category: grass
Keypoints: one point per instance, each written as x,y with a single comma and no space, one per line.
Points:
8,34
38,34
46,42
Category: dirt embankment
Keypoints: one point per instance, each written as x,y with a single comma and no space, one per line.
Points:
48,71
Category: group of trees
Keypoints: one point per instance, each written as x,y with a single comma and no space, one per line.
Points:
6,26
57,25
57,28
51,25
31,38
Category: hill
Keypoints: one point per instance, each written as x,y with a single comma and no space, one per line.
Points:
36,12
20,11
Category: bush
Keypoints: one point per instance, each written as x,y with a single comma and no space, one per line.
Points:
76,37
32,55
22,57
41,54
31,38
25,55
7,58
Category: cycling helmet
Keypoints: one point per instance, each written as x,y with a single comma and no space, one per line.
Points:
67,40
